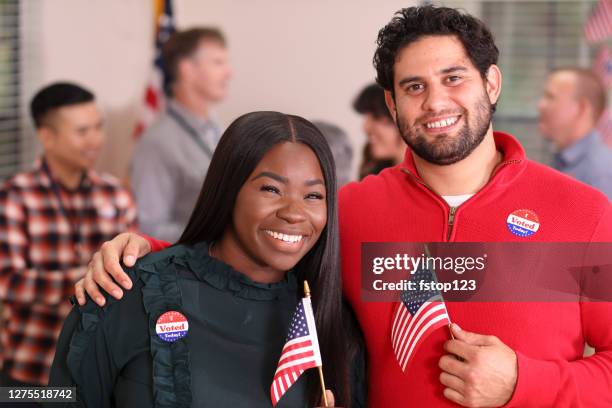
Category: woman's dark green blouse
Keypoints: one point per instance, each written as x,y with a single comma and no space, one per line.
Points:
237,329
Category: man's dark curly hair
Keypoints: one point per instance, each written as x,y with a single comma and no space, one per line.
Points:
410,24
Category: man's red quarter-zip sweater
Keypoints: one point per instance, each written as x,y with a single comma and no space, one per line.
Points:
548,338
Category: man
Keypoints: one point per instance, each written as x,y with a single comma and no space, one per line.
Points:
573,101
385,147
459,182
171,158
52,219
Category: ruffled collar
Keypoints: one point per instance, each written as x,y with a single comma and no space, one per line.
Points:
223,277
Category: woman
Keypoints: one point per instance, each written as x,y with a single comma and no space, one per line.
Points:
385,146
265,220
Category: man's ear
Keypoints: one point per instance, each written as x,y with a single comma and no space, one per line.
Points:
586,110
46,136
390,101
494,83
184,68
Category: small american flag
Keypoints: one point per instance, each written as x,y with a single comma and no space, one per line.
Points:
300,353
154,98
419,313
599,24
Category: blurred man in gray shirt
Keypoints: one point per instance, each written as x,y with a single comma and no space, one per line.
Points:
573,101
172,157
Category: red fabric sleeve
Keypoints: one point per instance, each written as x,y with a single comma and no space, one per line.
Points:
586,382
583,383
156,245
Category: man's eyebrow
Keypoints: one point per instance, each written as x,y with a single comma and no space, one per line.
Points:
456,68
410,79
273,176
445,71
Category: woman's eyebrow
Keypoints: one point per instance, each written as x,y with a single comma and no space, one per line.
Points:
271,175
285,180
313,182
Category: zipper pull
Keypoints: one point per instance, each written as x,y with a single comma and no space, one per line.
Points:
451,220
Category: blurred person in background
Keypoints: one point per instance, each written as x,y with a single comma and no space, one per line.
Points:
574,100
52,219
172,157
341,147
385,147
369,165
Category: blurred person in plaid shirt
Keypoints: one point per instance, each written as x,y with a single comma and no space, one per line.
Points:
52,220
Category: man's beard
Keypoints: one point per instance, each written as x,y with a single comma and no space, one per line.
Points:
444,149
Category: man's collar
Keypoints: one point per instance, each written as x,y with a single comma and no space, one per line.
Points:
513,163
576,151
47,178
194,120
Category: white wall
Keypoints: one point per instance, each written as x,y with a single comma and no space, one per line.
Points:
304,57
103,44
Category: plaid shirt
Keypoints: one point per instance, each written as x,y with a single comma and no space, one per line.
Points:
48,234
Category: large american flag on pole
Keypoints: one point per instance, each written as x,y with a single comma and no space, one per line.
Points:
154,97
301,351
602,66
418,314
604,127
599,24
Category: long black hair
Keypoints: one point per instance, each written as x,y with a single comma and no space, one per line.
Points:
243,145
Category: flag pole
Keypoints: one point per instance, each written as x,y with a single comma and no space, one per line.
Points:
307,294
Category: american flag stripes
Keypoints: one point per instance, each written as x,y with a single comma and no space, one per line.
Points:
602,66
604,127
599,24
419,313
154,97
301,351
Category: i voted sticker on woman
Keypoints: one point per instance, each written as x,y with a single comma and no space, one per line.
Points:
171,326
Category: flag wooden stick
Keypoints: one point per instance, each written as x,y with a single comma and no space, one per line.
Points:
321,378
323,386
